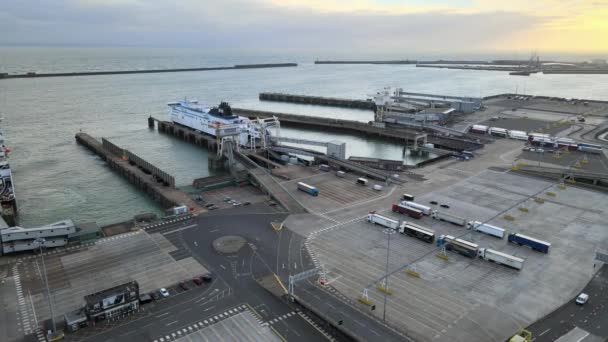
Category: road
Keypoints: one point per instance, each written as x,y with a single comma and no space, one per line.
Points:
591,317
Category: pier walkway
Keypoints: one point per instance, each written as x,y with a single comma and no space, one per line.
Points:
166,195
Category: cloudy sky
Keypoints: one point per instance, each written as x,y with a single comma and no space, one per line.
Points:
392,25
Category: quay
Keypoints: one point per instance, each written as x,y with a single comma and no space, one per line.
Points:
318,100
157,184
403,135
146,71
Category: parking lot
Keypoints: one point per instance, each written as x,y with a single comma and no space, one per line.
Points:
455,299
228,196
72,274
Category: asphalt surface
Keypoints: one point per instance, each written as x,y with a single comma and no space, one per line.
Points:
591,317
235,284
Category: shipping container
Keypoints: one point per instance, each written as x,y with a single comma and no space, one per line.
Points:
382,220
501,258
407,197
487,229
361,181
425,210
535,244
460,246
308,189
444,216
415,213
417,231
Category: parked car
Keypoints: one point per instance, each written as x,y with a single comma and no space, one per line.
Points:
184,286
582,299
197,280
206,278
227,199
155,295
209,205
164,292
445,206
246,203
236,204
433,202
145,298
214,207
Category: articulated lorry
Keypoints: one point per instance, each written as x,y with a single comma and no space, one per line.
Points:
501,258
423,208
487,229
447,217
382,220
535,244
402,209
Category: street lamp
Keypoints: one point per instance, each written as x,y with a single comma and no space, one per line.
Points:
388,232
53,333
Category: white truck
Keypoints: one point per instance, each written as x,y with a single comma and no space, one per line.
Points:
501,258
382,220
447,217
486,228
423,208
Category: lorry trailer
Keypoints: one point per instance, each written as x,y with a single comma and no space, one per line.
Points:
412,212
382,220
501,258
419,232
487,229
447,217
498,132
479,129
460,246
535,244
308,189
518,135
423,208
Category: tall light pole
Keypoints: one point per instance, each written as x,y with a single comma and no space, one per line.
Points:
388,232
41,242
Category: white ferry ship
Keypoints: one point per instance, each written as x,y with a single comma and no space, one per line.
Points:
220,120
8,202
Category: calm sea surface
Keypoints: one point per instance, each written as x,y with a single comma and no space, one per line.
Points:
57,179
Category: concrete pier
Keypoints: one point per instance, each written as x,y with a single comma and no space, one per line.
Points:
401,135
318,100
166,195
146,71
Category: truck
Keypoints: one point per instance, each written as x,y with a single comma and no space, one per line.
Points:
309,189
535,244
498,132
478,129
407,197
486,229
412,212
447,217
423,208
382,220
501,258
459,246
419,232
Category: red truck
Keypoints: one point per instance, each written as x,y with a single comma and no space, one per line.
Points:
415,213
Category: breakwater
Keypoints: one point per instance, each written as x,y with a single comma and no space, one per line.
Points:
146,71
318,100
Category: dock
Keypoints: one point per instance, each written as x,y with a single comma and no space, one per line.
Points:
402,135
145,71
318,100
159,185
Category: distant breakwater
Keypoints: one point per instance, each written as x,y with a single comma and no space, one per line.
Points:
145,71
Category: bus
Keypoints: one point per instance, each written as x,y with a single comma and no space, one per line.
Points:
417,231
308,189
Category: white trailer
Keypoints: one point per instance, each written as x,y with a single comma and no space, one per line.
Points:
382,220
423,208
497,131
486,228
447,217
518,135
501,258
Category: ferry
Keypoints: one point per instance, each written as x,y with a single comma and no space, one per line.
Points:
220,121
8,201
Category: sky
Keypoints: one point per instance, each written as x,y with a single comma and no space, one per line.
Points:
461,26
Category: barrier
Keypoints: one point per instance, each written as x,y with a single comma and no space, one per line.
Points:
549,193
539,200
508,217
146,166
525,210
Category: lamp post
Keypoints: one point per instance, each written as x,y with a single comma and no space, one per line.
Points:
388,232
41,242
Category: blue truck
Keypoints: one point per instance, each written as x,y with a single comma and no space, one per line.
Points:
308,189
535,244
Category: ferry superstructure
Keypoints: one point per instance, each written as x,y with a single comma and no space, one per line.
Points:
8,201
214,121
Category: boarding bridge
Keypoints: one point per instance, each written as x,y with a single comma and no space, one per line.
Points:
336,149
